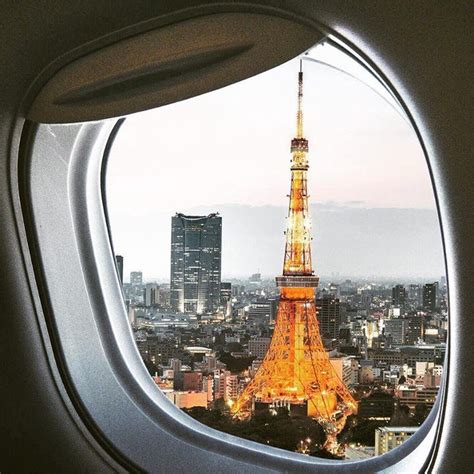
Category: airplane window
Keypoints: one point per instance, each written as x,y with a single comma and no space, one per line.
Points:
281,259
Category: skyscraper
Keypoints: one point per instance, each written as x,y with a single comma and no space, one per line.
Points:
399,295
415,295
135,292
430,296
196,243
396,328
226,298
226,292
329,316
415,329
152,294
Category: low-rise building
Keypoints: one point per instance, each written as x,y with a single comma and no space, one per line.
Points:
187,399
390,437
258,347
413,395
347,369
377,406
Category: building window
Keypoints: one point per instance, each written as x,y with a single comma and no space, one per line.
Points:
341,355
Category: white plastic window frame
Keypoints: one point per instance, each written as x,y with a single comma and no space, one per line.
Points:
105,376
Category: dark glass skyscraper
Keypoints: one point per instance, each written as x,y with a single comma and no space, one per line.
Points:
430,296
329,316
399,295
196,243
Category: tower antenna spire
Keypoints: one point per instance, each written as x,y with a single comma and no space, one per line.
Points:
299,114
296,372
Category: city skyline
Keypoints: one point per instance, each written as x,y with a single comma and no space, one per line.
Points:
335,370
366,157
337,235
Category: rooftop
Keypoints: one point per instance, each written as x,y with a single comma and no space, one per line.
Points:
398,429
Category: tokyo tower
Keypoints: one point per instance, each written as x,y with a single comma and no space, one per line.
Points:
296,372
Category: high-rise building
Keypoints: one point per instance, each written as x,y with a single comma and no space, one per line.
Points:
135,289
226,292
334,290
396,328
119,264
226,298
415,329
345,337
136,278
175,365
399,295
231,387
347,369
371,331
430,296
329,316
226,385
415,294
196,263
208,387
220,377
164,296
152,294
210,362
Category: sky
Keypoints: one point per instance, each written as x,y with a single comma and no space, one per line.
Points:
229,149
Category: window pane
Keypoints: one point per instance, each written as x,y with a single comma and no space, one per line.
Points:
341,355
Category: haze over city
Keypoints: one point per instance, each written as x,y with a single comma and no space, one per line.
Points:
340,368
372,204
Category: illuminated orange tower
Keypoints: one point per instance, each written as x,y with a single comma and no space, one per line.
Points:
296,371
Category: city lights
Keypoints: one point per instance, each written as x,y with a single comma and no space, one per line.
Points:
337,366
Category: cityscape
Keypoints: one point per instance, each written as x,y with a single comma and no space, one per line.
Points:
343,369
385,340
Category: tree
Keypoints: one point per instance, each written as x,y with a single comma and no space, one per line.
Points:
401,416
151,367
281,430
365,432
233,347
235,364
346,434
421,412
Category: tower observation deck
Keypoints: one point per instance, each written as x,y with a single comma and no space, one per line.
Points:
296,372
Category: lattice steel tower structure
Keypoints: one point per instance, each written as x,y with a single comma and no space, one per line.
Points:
296,371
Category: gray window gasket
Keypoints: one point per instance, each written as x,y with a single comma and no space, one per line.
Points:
105,377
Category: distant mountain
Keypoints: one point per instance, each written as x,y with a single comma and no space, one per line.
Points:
348,240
